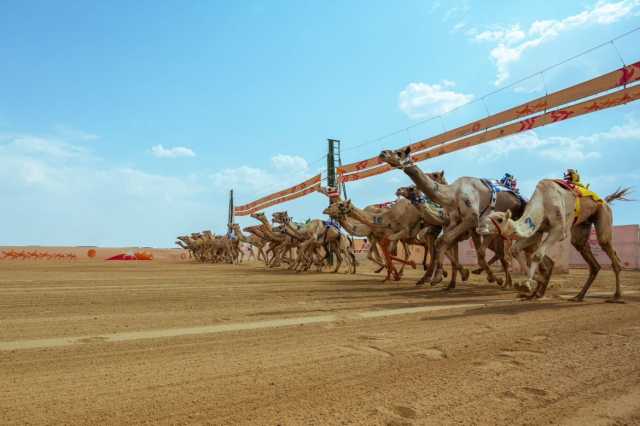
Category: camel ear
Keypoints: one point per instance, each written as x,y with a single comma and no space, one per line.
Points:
507,215
407,151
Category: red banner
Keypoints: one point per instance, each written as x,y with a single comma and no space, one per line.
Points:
621,97
307,191
311,181
620,77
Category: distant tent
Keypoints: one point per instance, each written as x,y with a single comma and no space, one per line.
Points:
122,256
139,255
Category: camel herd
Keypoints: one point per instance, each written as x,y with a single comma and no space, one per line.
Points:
436,215
35,255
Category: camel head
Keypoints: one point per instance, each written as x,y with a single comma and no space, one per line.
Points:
496,223
339,209
408,192
185,239
332,210
281,217
400,158
259,216
438,177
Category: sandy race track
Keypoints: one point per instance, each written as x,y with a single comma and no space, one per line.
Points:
178,343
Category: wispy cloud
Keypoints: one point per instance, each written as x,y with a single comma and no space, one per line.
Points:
420,100
71,133
174,152
458,10
559,148
62,194
284,170
289,163
512,41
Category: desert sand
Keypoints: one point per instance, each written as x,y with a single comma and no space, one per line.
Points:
174,342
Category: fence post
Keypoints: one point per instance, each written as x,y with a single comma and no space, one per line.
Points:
230,219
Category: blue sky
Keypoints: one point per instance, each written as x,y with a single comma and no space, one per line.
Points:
126,124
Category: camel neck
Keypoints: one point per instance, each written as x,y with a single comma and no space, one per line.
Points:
532,218
438,192
240,235
346,223
294,232
361,216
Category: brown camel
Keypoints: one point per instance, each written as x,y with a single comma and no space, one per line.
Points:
355,228
252,240
399,222
279,242
434,218
553,213
465,201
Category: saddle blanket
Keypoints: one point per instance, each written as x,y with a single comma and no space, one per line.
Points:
495,187
579,190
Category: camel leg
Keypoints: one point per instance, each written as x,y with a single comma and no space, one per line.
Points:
424,257
444,242
338,259
604,226
491,261
580,240
555,234
481,247
459,266
384,244
454,266
501,252
546,267
542,278
430,269
374,256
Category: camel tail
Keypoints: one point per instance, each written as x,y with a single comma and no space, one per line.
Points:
620,194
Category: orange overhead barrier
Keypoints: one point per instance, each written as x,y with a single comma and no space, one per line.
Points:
511,121
611,80
621,97
315,187
311,181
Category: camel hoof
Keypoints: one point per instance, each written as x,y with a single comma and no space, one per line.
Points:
499,282
525,296
437,279
465,274
445,274
420,283
477,271
576,299
615,300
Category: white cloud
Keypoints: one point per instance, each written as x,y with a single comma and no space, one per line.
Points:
40,146
289,163
70,133
175,152
512,42
284,170
456,12
421,100
61,194
558,148
244,177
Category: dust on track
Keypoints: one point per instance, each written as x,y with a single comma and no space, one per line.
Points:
177,343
